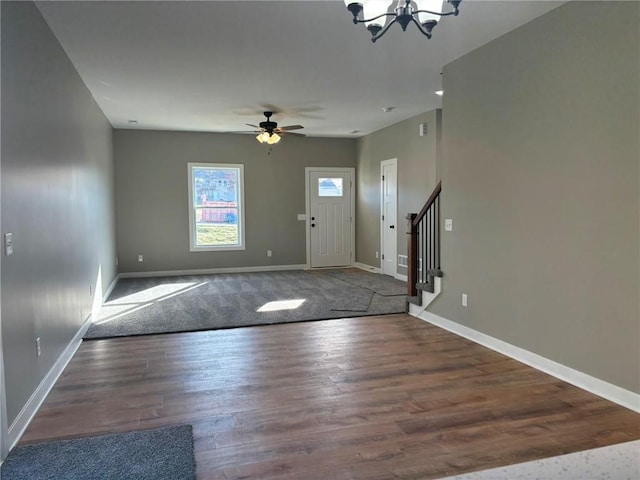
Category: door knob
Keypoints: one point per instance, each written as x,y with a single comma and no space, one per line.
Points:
313,225
392,226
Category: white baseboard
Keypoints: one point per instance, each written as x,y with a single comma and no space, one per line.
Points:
426,298
210,271
106,294
399,276
29,410
368,268
607,390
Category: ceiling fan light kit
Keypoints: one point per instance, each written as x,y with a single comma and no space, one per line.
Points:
270,133
270,139
423,13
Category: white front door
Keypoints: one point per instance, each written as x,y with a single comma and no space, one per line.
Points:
389,209
330,216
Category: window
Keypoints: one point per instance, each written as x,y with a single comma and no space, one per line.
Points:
216,206
330,187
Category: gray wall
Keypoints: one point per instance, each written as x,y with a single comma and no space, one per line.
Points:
152,199
418,175
57,200
541,179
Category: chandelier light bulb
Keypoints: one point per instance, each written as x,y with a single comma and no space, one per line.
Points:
430,6
373,9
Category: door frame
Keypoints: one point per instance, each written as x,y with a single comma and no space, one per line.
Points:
384,163
307,207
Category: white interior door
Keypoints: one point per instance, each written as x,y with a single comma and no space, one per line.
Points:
389,225
330,217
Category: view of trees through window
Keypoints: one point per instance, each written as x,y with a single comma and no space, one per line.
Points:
215,203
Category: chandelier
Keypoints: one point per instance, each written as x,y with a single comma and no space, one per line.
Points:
424,13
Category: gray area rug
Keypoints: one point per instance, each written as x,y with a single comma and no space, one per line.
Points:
142,306
159,454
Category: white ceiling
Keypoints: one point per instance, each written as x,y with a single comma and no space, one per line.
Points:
216,65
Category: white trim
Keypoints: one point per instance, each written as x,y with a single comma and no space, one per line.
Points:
307,224
384,163
210,271
29,410
192,236
368,268
426,298
607,390
110,289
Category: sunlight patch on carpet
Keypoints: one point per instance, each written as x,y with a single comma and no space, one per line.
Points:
281,305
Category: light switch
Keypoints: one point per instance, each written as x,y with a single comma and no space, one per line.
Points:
302,216
8,244
448,225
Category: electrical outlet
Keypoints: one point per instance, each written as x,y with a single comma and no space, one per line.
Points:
140,258
38,349
464,299
377,254
268,253
116,261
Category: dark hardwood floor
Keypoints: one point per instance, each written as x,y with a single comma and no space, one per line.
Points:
388,397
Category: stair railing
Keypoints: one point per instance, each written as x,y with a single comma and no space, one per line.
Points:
423,245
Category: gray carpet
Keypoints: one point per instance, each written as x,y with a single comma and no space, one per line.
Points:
380,284
159,454
141,306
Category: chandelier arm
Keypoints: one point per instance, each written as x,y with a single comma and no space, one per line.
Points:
383,31
442,14
357,20
421,28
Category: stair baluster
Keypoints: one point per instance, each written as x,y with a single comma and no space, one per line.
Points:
423,245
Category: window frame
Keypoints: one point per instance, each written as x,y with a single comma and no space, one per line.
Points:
193,247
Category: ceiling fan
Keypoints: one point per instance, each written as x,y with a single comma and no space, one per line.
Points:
269,132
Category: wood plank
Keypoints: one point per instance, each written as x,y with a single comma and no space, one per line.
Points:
369,397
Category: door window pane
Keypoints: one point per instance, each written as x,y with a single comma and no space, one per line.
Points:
330,187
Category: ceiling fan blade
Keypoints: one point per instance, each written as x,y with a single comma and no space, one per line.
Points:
246,132
293,133
251,125
291,127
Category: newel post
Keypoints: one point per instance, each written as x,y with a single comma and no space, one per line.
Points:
412,255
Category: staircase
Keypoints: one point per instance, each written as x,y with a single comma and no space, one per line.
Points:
423,254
